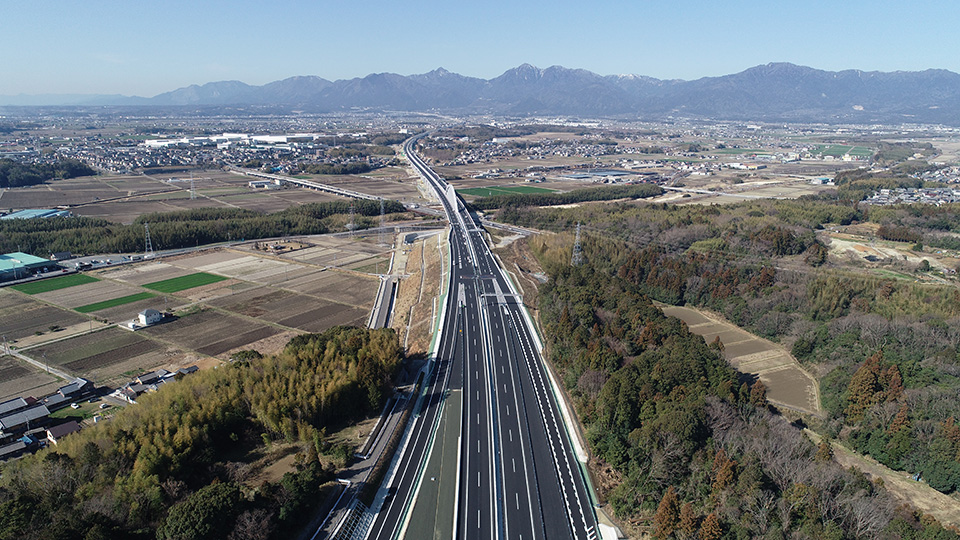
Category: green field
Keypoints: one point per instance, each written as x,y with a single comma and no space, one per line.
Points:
89,308
738,151
183,283
54,284
502,190
838,150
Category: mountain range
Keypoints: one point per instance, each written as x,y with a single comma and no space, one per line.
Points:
771,92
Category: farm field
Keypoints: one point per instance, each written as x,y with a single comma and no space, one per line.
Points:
211,332
339,287
502,190
787,383
91,293
289,293
389,182
141,274
23,317
122,199
19,378
183,283
287,308
371,265
239,265
54,284
67,192
837,150
114,302
122,313
103,356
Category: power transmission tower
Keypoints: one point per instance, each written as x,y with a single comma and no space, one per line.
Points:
577,258
352,225
193,190
380,240
148,245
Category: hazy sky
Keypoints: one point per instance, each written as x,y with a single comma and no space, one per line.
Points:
144,48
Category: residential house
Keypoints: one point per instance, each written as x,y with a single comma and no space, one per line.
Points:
55,433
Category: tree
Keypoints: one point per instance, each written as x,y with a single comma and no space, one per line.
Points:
667,518
864,387
892,383
724,470
758,394
711,529
900,421
824,452
688,521
208,513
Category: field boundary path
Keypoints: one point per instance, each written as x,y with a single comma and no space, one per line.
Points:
788,384
39,365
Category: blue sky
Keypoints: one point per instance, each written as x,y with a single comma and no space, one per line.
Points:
144,48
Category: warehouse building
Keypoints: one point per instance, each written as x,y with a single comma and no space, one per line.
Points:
37,213
18,265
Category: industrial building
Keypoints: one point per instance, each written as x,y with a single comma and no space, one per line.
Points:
18,265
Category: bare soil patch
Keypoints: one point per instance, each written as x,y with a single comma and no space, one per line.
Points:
22,317
106,356
87,294
210,332
417,292
268,345
19,378
342,287
141,274
525,269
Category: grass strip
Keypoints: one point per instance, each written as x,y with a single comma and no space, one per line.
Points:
89,308
183,283
54,284
500,190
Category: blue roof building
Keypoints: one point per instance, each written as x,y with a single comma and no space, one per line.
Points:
18,265
37,213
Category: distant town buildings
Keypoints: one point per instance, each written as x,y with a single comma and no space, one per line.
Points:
936,196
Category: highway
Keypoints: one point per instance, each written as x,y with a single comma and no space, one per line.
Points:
518,477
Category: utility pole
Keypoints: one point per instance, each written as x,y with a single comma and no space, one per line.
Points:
577,258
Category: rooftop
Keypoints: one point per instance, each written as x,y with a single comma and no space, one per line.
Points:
36,213
18,259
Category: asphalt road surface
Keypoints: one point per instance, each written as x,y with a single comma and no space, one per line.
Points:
518,476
